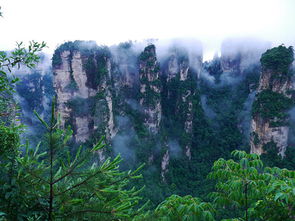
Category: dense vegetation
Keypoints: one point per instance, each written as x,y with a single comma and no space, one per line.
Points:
272,105
278,59
71,46
56,181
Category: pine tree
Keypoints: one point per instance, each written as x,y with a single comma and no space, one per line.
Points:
59,183
70,185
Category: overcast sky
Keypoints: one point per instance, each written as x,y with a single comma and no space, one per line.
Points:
113,21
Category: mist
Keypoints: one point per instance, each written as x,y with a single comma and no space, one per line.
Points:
207,110
174,148
122,142
246,115
237,57
111,22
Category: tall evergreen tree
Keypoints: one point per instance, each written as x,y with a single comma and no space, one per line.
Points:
70,185
58,183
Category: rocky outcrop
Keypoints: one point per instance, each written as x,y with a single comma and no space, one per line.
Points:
154,114
164,165
263,133
110,129
188,127
94,87
70,81
269,80
150,88
173,68
80,79
180,89
62,78
82,129
183,71
186,104
269,118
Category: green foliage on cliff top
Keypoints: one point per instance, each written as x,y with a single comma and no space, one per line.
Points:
83,46
278,59
148,52
150,47
94,64
67,46
271,105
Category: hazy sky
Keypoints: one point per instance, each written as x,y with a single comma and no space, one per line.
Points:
113,21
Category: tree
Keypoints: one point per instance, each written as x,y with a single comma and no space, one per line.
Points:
278,59
20,56
10,197
255,192
278,202
184,208
60,183
63,185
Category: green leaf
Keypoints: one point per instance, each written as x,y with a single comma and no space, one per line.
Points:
41,120
278,196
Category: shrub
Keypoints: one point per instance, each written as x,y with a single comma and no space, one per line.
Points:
278,59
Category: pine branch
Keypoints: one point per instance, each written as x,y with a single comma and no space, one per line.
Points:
66,174
71,170
79,184
45,181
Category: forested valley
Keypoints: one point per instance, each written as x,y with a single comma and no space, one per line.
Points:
132,132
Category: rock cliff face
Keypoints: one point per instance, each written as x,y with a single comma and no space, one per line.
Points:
164,107
98,87
186,105
164,165
81,83
269,123
150,88
69,82
180,90
88,78
183,97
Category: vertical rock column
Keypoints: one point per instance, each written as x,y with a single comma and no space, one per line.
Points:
62,78
70,82
273,99
186,101
83,83
181,88
150,88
